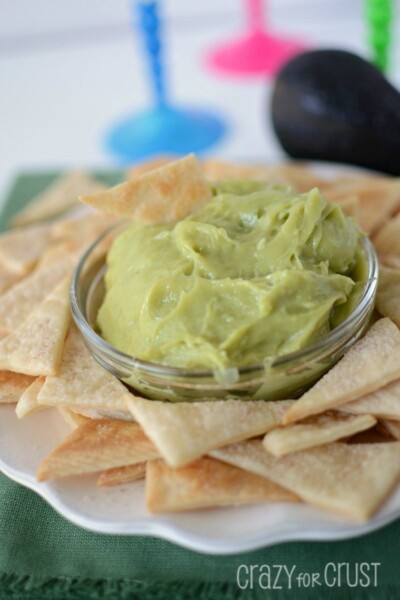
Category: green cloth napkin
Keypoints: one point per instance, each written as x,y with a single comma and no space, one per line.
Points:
44,557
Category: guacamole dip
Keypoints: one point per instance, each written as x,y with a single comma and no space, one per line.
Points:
257,273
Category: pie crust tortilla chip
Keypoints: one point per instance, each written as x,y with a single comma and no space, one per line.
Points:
295,175
19,301
59,197
97,445
207,483
20,249
378,196
383,403
166,194
322,430
8,278
28,403
71,417
371,363
35,347
387,240
81,382
184,431
388,294
149,165
352,479
121,475
12,385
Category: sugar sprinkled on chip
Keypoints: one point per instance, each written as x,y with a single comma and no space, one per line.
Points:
352,479
383,403
35,347
97,445
207,483
372,362
184,431
166,194
322,429
81,381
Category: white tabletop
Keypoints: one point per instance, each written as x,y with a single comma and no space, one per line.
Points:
70,68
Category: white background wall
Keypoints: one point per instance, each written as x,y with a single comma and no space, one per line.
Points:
69,68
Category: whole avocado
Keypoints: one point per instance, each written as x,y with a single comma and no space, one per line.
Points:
333,105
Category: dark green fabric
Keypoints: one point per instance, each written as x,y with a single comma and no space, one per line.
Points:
44,557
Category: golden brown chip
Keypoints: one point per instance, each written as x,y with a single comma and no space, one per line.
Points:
295,175
71,417
352,479
166,194
379,198
371,363
388,294
120,475
383,403
12,385
8,278
21,249
184,431
148,165
59,197
387,240
207,483
35,347
97,445
20,300
28,403
81,381
320,430
81,230
392,427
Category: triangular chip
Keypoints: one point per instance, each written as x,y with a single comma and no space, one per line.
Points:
97,445
22,248
12,385
166,194
184,431
20,300
121,475
35,347
206,483
383,403
372,362
81,381
352,479
59,197
28,401
319,431
392,427
388,294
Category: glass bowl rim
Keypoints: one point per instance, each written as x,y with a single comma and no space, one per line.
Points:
131,362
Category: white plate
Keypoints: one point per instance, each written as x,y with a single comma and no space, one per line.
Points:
121,510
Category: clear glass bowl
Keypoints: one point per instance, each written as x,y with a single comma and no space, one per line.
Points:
284,377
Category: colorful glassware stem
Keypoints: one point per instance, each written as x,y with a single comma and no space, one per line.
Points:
163,128
256,52
379,20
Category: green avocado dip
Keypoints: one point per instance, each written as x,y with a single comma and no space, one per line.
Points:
257,273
